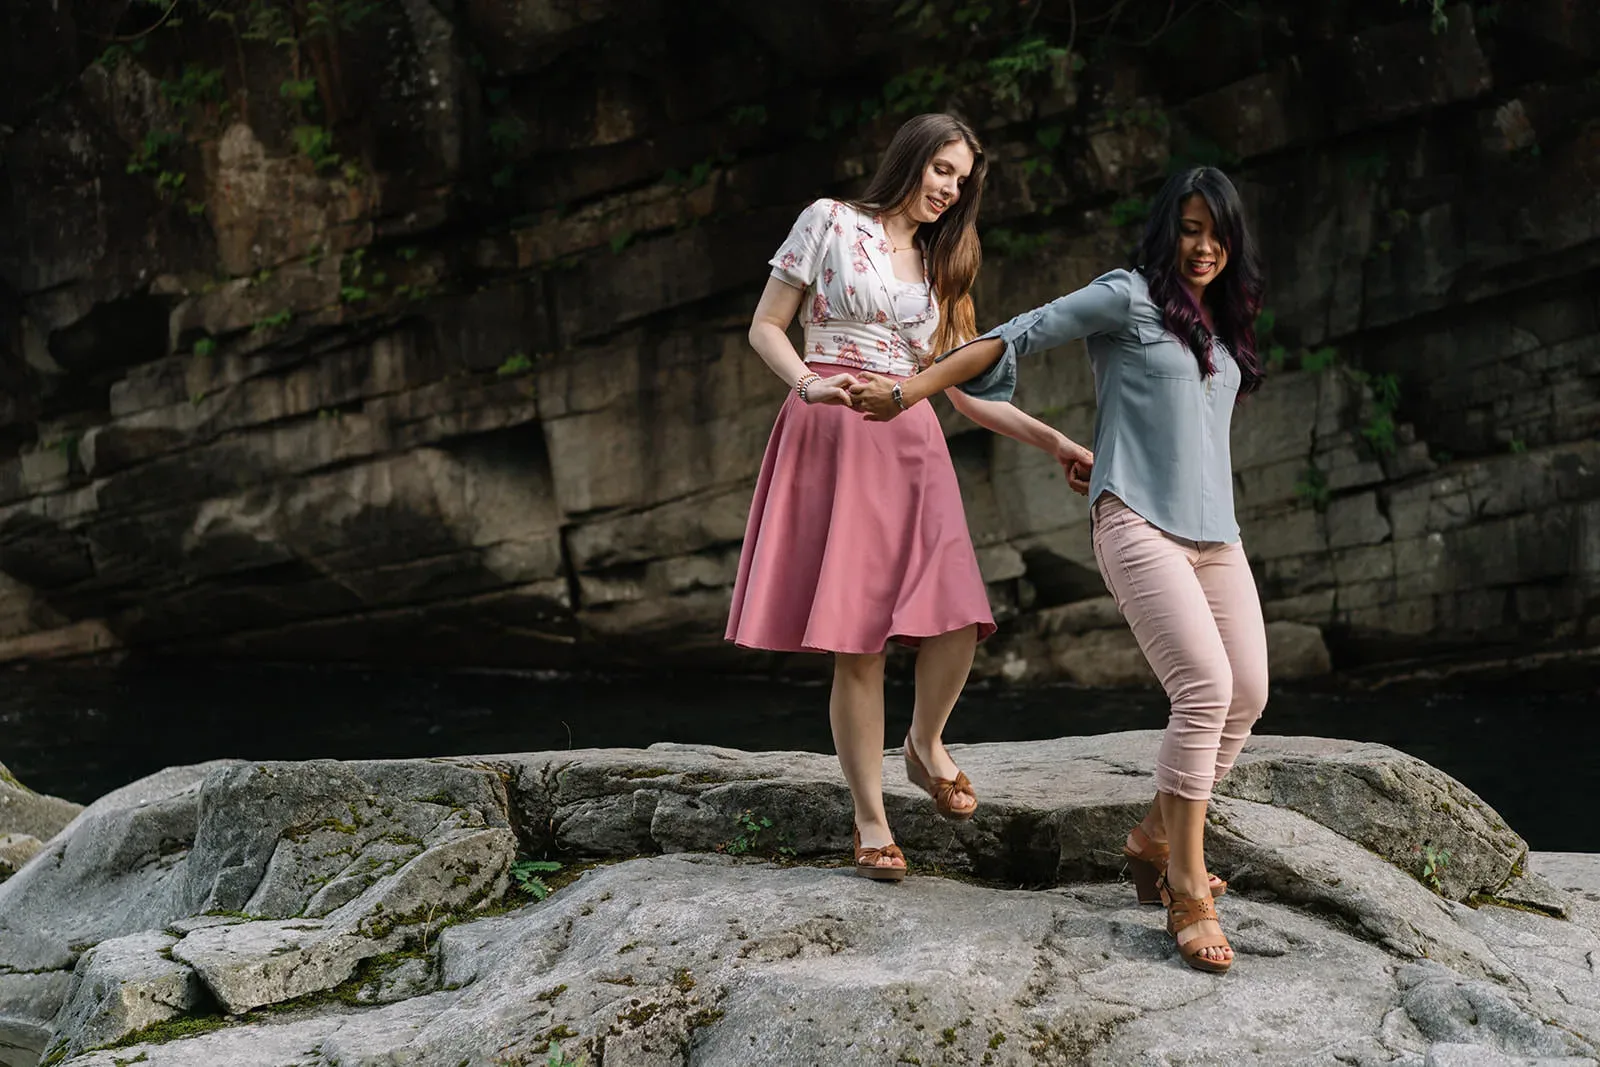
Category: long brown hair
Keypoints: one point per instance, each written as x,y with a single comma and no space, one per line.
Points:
952,247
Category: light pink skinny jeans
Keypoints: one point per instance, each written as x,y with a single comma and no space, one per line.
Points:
1193,608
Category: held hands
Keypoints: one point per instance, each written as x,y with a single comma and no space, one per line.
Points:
834,390
1078,464
873,396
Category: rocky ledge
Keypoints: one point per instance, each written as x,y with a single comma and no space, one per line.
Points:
390,913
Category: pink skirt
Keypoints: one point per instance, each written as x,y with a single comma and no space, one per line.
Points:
856,536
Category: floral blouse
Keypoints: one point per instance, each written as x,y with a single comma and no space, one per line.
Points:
840,257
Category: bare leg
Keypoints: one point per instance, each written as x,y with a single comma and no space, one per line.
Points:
1186,869
943,663
855,710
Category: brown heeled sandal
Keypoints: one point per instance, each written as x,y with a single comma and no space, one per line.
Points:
1148,862
867,861
940,789
1184,912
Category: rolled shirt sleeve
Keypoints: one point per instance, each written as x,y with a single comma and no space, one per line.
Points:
1099,307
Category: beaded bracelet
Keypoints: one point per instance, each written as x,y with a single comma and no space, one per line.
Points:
804,381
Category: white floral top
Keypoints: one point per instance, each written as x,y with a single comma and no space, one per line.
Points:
840,257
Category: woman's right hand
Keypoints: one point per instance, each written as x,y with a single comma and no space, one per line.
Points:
834,390
1077,462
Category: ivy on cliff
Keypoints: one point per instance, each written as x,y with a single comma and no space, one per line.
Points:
306,32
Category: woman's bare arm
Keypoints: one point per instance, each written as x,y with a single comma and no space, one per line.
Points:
769,337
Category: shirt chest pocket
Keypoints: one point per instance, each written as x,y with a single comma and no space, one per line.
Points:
1165,356
1228,370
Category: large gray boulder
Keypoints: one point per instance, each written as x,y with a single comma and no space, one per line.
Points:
121,986
1389,802
1050,811
348,898
692,959
304,870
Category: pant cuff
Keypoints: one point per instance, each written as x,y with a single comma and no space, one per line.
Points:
1182,785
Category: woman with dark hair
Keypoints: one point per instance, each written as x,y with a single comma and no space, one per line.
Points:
1174,349
856,534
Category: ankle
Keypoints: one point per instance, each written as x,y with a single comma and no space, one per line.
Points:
873,828
1156,832
1187,884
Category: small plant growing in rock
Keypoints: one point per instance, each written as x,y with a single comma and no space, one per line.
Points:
526,874
751,828
1434,861
516,363
1439,21
560,1059
272,322
1312,487
316,144
1319,359
1129,209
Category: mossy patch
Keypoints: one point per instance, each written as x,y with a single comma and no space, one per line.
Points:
705,1017
555,1033
705,778
171,1030
639,1014
1478,900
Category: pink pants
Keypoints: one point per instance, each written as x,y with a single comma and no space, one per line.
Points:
1193,608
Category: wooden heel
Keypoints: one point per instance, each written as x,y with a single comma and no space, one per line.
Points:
1147,861
1145,876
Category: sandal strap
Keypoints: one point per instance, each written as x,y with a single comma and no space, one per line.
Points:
1202,942
940,789
1146,849
869,857
1186,911
945,789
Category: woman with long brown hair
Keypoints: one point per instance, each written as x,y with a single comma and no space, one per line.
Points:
857,536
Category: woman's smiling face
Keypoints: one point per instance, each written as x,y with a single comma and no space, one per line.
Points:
1201,255
942,180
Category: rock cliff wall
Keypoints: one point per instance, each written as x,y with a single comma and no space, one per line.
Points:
415,331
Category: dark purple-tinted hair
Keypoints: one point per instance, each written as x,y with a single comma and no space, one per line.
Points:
1234,297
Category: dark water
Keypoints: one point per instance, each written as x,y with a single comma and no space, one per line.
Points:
1529,745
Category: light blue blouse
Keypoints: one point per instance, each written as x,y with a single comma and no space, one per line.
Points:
1161,429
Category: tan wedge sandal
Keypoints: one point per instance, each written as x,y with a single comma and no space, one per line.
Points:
867,861
1184,912
942,790
1147,861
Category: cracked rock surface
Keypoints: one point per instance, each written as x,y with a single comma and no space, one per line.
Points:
347,897
705,959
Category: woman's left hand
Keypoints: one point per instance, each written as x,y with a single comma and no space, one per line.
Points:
1077,462
873,396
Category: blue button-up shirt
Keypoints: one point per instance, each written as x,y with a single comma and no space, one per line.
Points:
1161,429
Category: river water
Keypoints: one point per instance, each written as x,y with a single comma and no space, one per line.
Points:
1528,744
